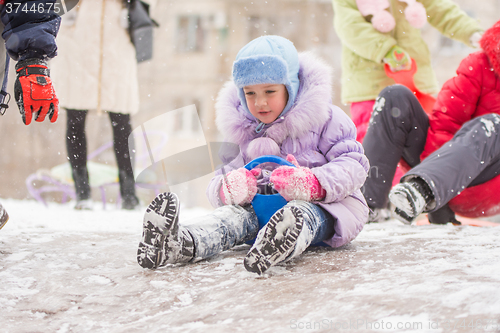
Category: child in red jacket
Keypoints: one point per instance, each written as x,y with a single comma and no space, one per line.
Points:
454,154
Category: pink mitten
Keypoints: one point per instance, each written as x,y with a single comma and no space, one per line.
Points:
239,187
297,183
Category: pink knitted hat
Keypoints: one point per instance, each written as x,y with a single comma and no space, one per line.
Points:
383,21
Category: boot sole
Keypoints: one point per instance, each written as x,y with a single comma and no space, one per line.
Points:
277,242
4,217
161,217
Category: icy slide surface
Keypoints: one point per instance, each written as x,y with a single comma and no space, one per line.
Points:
75,271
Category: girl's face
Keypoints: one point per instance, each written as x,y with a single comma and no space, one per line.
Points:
266,101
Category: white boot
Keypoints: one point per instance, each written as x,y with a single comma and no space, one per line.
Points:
379,215
85,204
410,199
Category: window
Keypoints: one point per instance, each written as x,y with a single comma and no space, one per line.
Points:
190,34
196,118
187,116
260,26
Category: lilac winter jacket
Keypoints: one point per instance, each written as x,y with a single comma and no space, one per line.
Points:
320,136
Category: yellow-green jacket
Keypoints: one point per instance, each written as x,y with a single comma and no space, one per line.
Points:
364,47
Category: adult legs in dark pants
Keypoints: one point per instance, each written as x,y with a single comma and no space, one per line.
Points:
76,144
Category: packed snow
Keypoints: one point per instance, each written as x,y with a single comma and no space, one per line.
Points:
63,270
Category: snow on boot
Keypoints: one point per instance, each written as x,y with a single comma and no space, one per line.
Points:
378,215
85,204
130,202
276,241
410,199
302,243
4,217
162,240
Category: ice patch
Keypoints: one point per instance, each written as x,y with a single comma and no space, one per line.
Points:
419,323
185,299
98,279
160,284
419,274
64,328
19,256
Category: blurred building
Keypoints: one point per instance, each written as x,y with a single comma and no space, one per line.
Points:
195,46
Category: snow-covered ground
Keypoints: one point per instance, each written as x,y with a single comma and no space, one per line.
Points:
75,271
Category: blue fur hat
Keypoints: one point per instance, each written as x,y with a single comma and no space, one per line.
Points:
267,59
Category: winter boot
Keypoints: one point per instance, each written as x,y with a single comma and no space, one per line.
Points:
443,215
127,191
4,217
163,242
378,215
410,199
276,241
82,188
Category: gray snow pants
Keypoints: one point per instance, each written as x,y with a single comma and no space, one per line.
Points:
228,226
398,129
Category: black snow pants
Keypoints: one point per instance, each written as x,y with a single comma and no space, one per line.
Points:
398,129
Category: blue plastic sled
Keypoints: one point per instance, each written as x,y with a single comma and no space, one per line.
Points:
265,205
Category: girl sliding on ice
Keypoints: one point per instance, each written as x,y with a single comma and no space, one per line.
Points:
278,103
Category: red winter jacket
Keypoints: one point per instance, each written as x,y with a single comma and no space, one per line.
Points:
475,91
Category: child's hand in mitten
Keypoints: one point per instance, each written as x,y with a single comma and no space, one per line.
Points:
239,187
297,183
398,59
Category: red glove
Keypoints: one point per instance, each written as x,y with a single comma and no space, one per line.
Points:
297,183
33,91
239,187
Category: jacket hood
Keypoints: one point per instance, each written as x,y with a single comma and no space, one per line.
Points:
490,43
311,108
267,59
